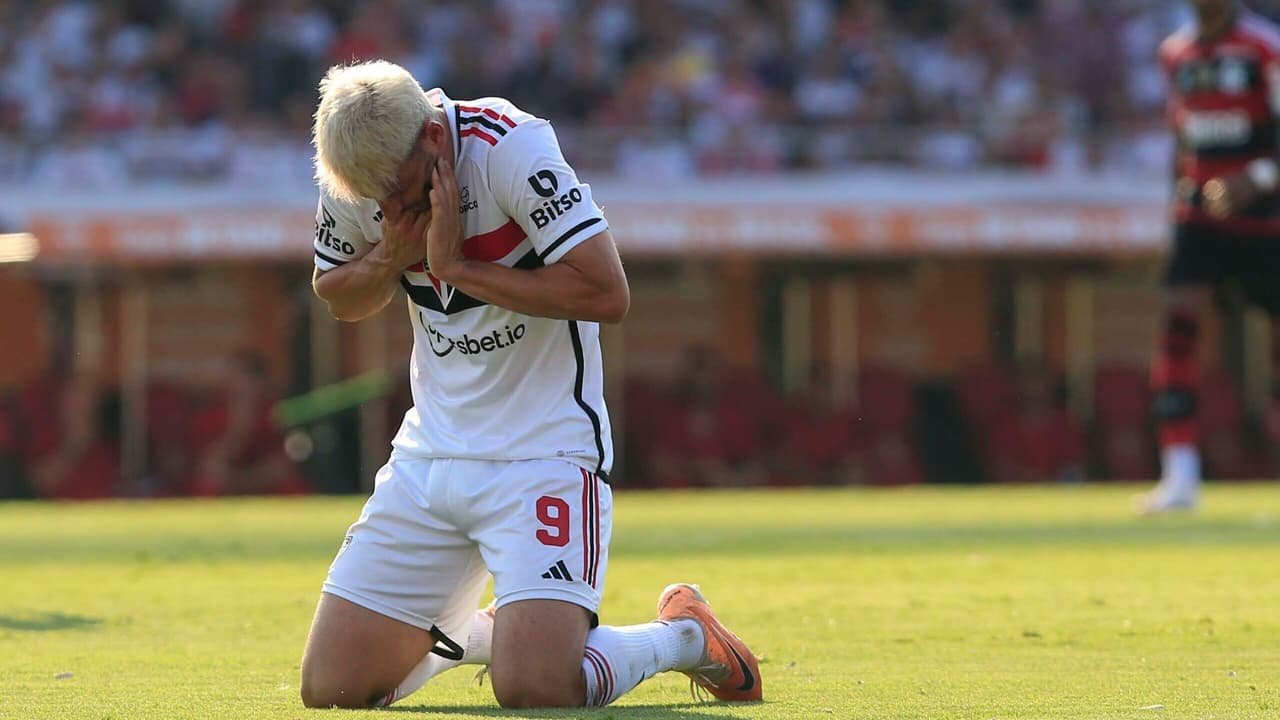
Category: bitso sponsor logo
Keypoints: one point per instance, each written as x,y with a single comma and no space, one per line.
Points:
555,207
325,236
465,344
544,183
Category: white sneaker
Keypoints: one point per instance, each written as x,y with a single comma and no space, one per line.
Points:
1179,489
1162,500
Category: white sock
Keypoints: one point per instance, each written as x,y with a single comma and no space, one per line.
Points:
479,651
479,641
1181,465
619,658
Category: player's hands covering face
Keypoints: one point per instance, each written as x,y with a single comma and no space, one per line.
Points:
444,237
404,235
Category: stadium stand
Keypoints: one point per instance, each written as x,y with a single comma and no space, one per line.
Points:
155,89
160,93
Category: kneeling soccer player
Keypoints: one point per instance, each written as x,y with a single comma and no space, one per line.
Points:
501,465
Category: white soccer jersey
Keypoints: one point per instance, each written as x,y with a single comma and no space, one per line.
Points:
489,383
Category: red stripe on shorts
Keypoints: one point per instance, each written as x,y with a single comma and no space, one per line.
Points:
595,521
586,527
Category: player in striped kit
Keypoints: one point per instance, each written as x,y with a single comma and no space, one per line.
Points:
1224,78
501,466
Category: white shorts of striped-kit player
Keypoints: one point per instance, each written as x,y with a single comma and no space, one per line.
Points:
434,529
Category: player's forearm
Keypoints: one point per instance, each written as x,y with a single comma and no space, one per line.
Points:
360,288
556,291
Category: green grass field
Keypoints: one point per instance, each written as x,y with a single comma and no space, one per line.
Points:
922,603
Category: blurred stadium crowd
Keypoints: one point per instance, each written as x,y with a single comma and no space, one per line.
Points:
224,89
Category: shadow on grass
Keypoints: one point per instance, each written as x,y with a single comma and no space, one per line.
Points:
675,711
45,621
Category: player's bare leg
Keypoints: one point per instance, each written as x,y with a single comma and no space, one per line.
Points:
537,654
1175,378
355,656
358,658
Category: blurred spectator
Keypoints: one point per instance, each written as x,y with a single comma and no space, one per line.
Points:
78,162
73,439
237,447
166,87
1039,441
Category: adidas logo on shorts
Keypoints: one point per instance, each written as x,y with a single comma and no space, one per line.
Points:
558,572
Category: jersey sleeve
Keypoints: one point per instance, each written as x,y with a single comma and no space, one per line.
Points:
339,239
534,186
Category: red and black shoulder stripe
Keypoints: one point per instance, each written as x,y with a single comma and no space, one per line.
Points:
485,124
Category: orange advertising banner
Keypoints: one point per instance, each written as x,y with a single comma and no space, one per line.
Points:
649,229
928,230
144,237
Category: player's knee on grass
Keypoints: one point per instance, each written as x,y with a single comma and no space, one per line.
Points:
537,654
535,691
323,688
355,656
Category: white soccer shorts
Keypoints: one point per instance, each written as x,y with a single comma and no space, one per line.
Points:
434,529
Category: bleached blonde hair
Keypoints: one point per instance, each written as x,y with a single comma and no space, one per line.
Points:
369,117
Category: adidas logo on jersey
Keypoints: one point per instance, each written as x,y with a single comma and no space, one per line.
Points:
558,572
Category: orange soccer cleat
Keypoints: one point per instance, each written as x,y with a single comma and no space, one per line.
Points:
729,670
